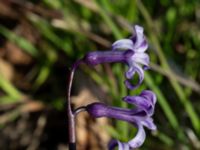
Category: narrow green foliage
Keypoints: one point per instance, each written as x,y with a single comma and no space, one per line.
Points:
18,40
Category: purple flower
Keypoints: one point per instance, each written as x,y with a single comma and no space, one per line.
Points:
139,117
130,51
138,45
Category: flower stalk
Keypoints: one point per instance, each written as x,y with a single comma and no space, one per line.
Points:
70,114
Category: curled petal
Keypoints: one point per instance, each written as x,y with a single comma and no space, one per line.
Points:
123,44
149,123
140,43
138,140
149,95
141,103
130,73
121,146
140,72
145,101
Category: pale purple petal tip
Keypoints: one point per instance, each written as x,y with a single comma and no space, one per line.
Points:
123,44
123,146
149,123
149,95
138,29
140,43
139,139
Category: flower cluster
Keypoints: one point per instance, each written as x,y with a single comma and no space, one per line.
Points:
131,52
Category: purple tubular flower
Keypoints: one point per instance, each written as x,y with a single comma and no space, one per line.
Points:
138,44
130,51
98,57
139,116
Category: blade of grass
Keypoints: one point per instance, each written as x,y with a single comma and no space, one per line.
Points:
6,100
112,131
165,139
110,23
47,31
20,41
9,89
45,69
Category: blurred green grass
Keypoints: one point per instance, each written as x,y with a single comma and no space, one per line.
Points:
172,28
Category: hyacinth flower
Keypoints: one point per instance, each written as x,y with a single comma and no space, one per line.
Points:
129,51
139,117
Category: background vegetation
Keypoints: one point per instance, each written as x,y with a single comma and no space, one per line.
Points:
40,40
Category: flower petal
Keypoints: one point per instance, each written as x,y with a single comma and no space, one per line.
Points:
145,101
142,47
140,72
140,43
121,145
130,73
149,95
149,124
123,44
138,140
141,102
112,144
141,58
